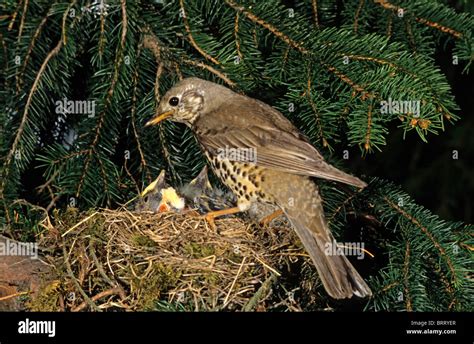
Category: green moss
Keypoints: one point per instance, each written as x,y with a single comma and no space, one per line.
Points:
69,217
211,278
47,299
161,279
143,241
198,250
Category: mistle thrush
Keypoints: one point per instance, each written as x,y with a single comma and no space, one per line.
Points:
226,123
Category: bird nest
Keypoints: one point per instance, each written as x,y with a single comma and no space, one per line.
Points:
123,260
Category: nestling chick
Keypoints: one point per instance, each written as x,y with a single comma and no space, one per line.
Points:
159,197
203,197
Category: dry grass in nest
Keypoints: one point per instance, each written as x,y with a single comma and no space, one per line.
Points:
121,260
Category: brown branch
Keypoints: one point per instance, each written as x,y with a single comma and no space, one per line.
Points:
166,153
445,281
254,37
15,14
266,25
342,205
22,20
100,269
127,171
87,299
102,33
236,34
212,70
425,231
405,277
375,59
69,156
387,5
439,27
356,18
4,298
102,294
411,38
369,128
358,88
285,55
389,286
314,6
389,25
49,181
159,71
191,38
54,199
5,57
30,49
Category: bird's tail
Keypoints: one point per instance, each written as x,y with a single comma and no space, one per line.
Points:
305,212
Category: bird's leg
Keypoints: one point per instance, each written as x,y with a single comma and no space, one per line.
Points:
267,219
209,217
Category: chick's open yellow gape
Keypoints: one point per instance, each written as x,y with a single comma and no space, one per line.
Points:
170,200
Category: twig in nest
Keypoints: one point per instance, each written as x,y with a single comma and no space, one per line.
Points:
260,293
233,282
74,280
113,284
79,223
108,292
13,295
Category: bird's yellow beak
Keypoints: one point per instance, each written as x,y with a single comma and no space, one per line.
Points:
149,188
158,118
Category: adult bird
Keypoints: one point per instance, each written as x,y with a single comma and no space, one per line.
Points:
226,123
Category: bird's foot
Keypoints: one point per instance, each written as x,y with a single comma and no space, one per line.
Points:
269,218
209,217
210,221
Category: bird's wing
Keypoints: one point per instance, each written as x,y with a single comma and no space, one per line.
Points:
277,143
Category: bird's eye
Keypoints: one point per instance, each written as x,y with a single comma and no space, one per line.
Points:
174,101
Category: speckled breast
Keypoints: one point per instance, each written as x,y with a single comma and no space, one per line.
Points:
243,178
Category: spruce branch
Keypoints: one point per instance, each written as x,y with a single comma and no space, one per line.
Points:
19,76
314,7
191,38
406,284
133,119
426,232
22,20
24,120
108,99
316,112
14,15
211,69
268,26
357,14
389,6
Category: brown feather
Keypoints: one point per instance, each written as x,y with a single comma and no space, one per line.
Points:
279,145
